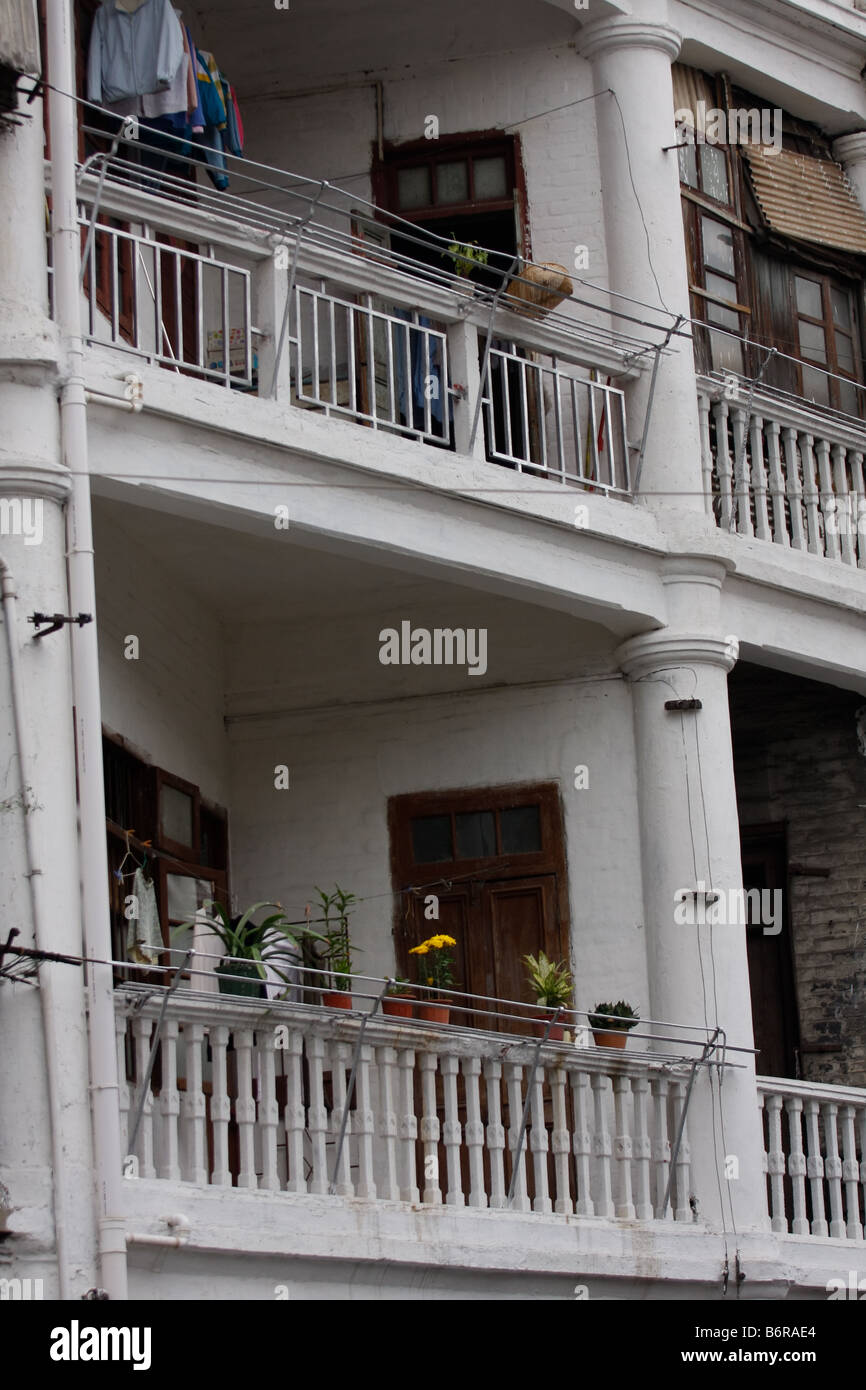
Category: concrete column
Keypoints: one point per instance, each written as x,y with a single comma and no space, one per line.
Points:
850,151
698,970
631,63
52,1216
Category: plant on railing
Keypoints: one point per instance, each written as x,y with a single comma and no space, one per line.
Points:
552,984
551,980
337,953
435,962
465,256
610,1023
252,948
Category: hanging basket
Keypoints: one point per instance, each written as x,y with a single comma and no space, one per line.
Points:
540,288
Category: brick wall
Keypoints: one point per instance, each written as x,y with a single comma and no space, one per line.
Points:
797,761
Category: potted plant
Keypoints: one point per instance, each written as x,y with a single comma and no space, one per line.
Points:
436,971
399,999
465,256
337,952
551,981
251,946
610,1023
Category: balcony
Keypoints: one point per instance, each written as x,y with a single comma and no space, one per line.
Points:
777,469
260,1096
254,1095
320,316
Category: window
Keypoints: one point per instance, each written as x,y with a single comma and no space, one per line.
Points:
705,169
716,272
441,185
179,839
827,335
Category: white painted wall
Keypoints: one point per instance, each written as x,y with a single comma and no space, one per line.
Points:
332,823
167,704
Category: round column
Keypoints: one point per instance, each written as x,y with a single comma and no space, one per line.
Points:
46,1160
690,850
850,151
631,63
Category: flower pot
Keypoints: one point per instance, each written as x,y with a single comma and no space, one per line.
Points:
254,990
434,1013
336,999
398,1005
615,1037
557,1031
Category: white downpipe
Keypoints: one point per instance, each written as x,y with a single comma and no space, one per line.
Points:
50,1013
85,658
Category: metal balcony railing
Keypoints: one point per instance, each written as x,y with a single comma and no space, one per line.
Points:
315,313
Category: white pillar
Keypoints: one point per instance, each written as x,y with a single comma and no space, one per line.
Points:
631,64
46,1161
698,974
850,151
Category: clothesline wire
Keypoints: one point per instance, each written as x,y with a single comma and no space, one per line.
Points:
377,213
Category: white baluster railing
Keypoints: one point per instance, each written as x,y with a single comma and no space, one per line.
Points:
436,1116
790,473
816,1164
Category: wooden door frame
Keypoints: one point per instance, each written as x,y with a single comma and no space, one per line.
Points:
406,874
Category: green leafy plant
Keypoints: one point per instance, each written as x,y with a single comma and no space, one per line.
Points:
336,908
274,943
550,979
622,1016
400,989
465,256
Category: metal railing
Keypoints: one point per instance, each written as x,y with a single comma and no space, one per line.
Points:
385,370
541,418
309,317
169,304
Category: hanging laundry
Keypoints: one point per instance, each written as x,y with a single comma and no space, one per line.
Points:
210,90
233,138
133,52
144,934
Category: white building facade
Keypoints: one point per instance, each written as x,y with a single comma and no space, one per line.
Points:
637,514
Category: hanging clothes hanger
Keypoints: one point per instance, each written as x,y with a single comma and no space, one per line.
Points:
139,863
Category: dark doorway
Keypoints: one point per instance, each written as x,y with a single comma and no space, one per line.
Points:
771,963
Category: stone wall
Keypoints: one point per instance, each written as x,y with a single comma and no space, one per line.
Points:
798,760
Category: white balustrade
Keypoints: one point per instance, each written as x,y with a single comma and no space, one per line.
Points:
435,1117
790,473
816,1161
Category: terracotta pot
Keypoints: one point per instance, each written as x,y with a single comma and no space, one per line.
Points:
336,999
616,1037
556,1034
398,1005
434,1013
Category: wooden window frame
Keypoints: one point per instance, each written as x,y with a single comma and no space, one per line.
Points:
827,283
448,150
189,854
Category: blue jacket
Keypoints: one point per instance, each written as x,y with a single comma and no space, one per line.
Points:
133,54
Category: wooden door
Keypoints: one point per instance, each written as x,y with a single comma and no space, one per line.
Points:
771,965
493,862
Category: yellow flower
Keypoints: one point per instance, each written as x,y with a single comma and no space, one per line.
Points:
429,979
448,941
420,950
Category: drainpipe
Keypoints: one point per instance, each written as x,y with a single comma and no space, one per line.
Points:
85,657
50,1014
